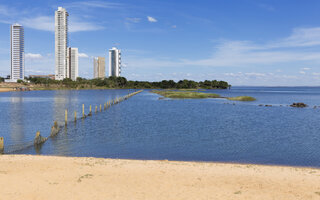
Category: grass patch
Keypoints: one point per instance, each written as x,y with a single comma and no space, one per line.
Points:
241,98
187,90
185,95
197,95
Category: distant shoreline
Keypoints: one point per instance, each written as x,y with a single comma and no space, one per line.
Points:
29,177
37,88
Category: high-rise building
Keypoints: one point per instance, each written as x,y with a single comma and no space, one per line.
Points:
17,52
73,63
99,67
61,43
95,67
114,62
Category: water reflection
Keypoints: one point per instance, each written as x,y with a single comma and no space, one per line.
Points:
64,100
16,117
38,148
60,102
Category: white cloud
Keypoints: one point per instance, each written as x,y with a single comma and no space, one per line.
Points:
44,23
255,74
306,68
39,65
301,37
230,53
133,20
77,25
233,74
241,53
174,26
152,19
33,56
93,4
316,74
83,55
302,72
247,75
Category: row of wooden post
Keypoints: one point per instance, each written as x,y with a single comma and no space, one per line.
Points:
55,128
106,105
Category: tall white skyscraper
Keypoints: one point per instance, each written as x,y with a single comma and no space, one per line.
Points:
73,63
61,43
17,52
114,62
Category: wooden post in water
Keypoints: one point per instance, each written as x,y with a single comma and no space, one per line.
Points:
90,110
39,139
66,116
1,145
75,116
96,109
83,110
54,129
100,107
105,106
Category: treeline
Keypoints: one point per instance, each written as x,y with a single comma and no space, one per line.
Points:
121,82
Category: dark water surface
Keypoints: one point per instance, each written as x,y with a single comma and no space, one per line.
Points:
144,127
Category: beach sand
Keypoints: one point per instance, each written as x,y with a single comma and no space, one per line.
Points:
6,89
49,177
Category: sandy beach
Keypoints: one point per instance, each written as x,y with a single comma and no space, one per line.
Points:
6,89
48,177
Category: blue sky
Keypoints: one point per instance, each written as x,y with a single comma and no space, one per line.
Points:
244,42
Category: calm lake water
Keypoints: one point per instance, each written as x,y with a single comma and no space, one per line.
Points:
145,127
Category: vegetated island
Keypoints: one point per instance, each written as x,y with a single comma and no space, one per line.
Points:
38,83
197,95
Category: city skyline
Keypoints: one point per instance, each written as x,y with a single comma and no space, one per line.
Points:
243,43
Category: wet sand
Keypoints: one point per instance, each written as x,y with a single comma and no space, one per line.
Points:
49,177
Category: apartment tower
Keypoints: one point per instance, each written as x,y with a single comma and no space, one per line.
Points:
61,43
73,63
99,67
114,62
17,52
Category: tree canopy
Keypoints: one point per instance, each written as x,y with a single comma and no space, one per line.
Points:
121,82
